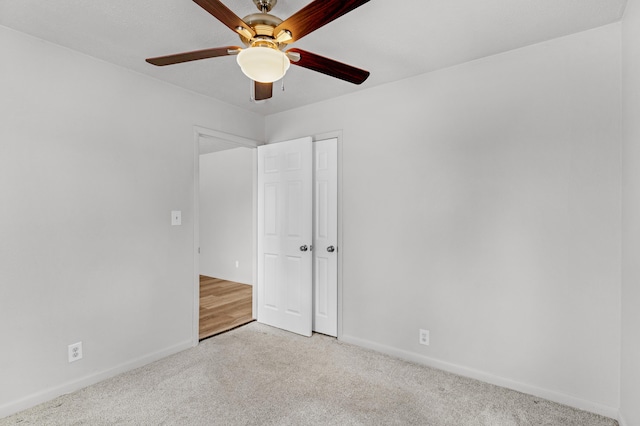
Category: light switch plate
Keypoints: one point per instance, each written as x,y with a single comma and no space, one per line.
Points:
176,217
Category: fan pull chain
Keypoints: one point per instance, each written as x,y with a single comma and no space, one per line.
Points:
282,84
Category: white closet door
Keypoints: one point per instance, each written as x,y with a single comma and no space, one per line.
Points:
325,237
285,235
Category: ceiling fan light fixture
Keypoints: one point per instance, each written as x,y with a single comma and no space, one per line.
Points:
263,64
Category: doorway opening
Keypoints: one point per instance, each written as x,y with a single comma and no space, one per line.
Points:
224,232
210,141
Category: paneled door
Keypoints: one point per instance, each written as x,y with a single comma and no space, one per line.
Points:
285,178
325,237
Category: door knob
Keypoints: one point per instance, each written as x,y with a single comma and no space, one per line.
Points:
304,248
331,249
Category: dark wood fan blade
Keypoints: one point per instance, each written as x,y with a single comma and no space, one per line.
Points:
193,56
225,15
262,91
329,67
315,15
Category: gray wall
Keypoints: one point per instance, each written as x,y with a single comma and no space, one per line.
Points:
226,214
630,373
482,202
93,158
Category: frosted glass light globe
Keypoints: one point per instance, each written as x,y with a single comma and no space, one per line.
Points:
263,64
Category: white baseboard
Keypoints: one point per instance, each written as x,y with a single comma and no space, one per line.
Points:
550,395
622,421
72,386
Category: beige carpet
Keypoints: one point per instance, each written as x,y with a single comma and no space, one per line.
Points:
257,375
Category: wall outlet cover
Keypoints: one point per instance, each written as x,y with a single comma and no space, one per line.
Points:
424,337
75,352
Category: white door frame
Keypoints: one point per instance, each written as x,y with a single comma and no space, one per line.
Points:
239,141
225,141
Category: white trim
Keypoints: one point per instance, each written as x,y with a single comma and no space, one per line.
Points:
621,420
195,288
228,137
550,395
74,385
239,141
254,232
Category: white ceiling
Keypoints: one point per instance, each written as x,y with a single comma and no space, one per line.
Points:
392,39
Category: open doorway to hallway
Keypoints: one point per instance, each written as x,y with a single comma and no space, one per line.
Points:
225,233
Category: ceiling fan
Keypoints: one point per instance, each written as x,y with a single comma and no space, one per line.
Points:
266,36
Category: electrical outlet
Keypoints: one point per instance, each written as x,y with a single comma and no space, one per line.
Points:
424,337
75,352
237,263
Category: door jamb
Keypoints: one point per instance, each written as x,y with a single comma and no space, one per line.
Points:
233,141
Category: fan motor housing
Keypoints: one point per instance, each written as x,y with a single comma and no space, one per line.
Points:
263,24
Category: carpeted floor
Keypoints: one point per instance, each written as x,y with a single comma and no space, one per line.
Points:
258,375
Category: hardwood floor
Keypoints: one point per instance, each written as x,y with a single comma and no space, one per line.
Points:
223,305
